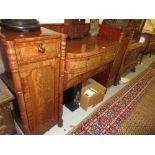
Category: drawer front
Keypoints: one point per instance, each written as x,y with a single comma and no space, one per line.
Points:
35,51
87,63
76,65
79,65
93,62
108,55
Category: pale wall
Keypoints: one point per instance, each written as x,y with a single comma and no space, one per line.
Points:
148,27
153,22
51,20
60,20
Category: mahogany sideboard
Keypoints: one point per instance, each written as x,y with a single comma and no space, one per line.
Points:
40,65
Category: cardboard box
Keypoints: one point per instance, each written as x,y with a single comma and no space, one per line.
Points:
91,94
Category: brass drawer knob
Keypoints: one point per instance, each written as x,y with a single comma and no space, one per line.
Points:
40,48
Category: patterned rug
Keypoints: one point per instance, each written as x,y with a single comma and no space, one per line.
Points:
109,117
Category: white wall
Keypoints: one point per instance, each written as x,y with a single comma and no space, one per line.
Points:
60,20
51,20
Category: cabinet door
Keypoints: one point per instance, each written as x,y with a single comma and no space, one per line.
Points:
40,89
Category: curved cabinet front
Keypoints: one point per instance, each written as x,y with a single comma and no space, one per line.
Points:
80,67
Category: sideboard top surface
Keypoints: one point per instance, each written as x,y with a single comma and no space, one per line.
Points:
88,44
18,36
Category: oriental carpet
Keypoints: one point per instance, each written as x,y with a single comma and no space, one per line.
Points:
130,111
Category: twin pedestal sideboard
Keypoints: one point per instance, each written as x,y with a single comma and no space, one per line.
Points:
40,65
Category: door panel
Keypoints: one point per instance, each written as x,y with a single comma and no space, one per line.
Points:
40,89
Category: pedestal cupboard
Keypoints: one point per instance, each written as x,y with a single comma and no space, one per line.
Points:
34,63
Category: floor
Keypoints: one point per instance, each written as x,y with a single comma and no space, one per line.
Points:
71,119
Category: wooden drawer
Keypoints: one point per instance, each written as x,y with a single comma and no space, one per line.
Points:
108,55
37,50
87,62
79,65
93,62
76,65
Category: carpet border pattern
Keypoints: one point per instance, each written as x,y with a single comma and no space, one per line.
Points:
107,118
